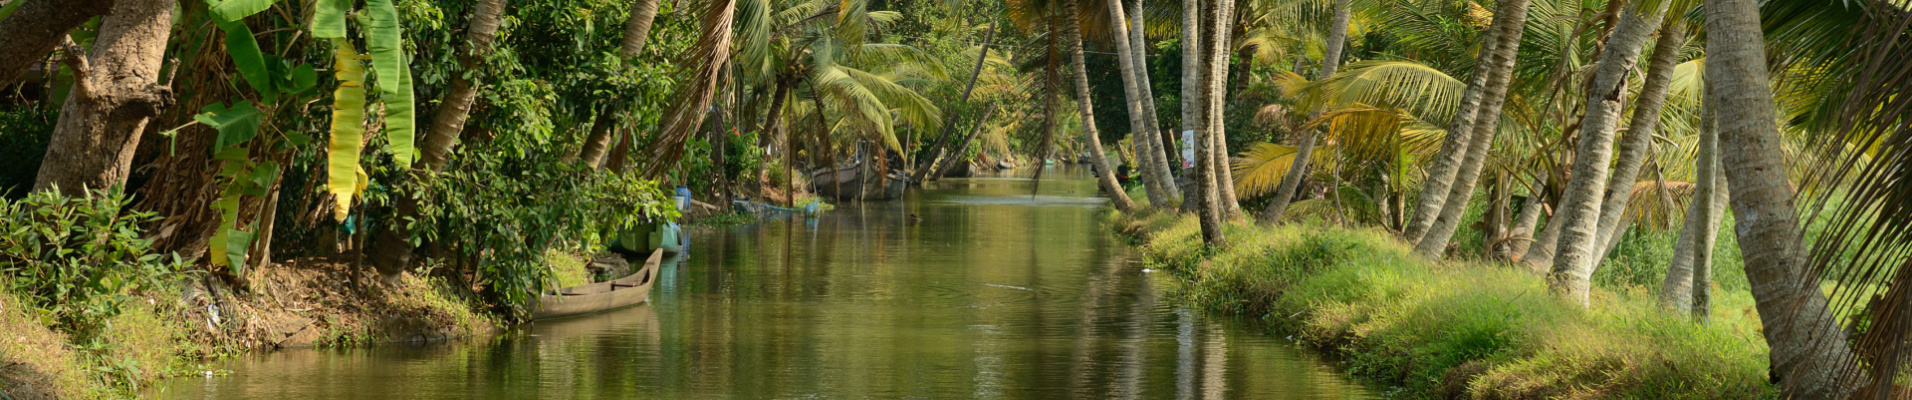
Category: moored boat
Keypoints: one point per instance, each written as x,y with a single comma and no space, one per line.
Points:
601,296
855,182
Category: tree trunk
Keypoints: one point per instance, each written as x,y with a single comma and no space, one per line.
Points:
637,29
1806,342
1138,123
926,170
1447,162
1158,154
1297,171
391,250
1072,28
1222,43
116,91
1691,267
1640,132
1208,208
602,130
963,147
36,27
1194,194
1521,234
1512,16
1573,265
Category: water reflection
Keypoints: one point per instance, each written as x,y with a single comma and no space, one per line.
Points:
996,294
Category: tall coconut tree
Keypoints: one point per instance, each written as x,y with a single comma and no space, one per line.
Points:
1639,135
1194,197
391,248
637,28
1072,32
1580,212
116,92
1484,125
1157,158
1221,46
1158,193
1808,348
1330,60
1687,288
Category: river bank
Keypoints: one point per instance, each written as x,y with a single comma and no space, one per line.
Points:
185,327
1454,329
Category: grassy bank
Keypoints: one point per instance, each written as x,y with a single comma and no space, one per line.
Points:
1456,329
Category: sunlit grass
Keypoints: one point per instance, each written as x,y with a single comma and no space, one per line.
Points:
1468,328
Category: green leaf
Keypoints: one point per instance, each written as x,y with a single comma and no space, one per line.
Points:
237,241
234,10
328,18
385,41
401,122
236,124
251,62
262,177
348,128
228,208
303,78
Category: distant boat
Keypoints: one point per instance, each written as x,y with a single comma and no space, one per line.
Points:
761,208
601,296
856,182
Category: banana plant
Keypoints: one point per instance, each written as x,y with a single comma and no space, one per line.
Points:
277,83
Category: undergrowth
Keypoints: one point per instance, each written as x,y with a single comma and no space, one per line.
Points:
1458,329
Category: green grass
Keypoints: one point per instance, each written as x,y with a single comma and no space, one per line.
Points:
1467,329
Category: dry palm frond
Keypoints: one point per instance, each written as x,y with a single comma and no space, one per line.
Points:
1659,206
708,59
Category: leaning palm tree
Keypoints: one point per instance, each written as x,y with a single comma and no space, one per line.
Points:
1072,30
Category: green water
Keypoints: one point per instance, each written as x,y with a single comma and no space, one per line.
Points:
995,294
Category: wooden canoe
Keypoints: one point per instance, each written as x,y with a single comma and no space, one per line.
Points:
600,296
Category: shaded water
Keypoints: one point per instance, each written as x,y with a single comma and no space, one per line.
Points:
994,294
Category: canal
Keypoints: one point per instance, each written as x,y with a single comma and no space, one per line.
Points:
970,288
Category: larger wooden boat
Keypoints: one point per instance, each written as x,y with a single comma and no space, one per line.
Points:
858,182
601,296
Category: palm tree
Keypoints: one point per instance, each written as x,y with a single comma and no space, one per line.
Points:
636,30
391,249
1579,214
1072,29
1221,45
1330,59
1158,194
1808,347
1157,158
1484,125
1639,136
1689,276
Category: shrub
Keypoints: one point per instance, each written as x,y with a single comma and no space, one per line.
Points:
75,259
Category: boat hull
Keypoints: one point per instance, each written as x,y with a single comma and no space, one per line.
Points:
601,296
855,183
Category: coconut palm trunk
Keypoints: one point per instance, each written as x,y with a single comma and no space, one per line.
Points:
637,28
1157,158
1158,194
1579,216
1512,15
1522,232
1447,162
1688,277
1639,140
1297,171
1805,340
391,250
116,92
1072,29
1194,194
1221,43
929,169
36,27
1208,200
